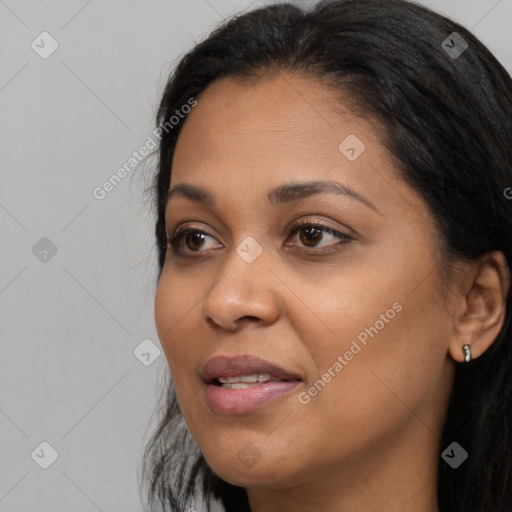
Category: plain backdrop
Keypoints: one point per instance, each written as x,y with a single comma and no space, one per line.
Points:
80,364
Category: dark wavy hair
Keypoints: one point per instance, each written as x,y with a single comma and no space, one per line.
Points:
447,120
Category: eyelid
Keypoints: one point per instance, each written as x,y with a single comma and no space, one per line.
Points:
186,228
297,222
323,224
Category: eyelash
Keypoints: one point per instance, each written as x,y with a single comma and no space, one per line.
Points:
177,237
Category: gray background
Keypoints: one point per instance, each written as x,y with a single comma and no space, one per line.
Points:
70,321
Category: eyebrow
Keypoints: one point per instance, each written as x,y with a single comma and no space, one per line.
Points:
282,194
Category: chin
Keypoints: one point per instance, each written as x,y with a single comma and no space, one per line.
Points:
248,467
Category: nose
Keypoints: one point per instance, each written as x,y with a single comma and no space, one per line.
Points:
244,294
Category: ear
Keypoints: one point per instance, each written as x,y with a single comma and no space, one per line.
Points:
481,305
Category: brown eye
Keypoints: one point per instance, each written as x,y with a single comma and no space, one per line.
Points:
193,239
311,234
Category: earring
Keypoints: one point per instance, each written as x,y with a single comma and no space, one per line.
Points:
467,353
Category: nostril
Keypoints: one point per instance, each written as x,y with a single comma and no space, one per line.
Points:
231,326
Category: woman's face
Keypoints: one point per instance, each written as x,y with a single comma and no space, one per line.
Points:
349,310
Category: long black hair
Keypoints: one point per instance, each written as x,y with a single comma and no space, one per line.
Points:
445,104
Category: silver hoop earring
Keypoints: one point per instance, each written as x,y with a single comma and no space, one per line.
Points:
467,353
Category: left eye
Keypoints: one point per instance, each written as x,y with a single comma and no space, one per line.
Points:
310,234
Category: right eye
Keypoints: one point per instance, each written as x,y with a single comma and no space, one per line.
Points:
191,237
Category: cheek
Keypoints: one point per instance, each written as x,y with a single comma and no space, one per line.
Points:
391,330
173,313
172,308
391,374
164,312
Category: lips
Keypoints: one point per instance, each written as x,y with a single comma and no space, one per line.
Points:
243,385
225,367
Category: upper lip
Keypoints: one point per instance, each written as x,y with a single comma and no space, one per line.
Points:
226,366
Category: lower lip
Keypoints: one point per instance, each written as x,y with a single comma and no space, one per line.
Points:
244,401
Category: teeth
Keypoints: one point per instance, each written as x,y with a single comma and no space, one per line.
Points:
239,385
248,378
245,379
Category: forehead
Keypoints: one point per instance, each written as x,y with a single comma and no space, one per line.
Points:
283,121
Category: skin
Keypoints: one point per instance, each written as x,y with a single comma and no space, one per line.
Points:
368,441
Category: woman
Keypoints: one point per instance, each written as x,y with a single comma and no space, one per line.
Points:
334,236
